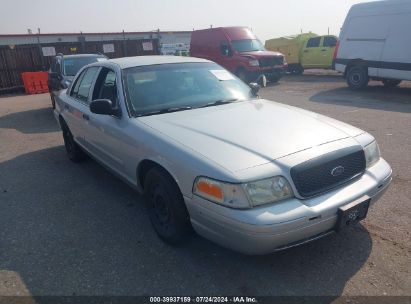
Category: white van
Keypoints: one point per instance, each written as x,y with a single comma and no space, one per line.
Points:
375,43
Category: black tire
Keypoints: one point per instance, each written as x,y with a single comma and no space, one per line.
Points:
53,101
166,207
390,83
73,150
242,74
296,69
357,77
274,79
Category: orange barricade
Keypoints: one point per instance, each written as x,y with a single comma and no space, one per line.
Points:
35,82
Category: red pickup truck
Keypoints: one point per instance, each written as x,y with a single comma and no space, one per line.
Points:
238,50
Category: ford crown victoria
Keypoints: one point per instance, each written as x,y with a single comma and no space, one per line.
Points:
210,155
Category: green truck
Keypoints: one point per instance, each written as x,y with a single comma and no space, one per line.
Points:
305,51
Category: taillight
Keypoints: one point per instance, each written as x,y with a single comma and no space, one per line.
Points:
336,49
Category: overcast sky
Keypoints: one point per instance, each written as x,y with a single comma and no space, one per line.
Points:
267,18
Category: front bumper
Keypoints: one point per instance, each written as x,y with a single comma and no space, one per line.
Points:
274,227
271,73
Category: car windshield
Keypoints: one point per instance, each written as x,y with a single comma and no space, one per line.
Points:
247,45
72,65
173,87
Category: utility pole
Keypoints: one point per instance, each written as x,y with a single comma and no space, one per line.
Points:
40,50
124,44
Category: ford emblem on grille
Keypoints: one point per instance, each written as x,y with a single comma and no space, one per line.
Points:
337,171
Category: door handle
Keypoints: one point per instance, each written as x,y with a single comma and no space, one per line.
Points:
305,51
323,50
86,117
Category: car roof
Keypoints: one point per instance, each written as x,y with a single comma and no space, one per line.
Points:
129,62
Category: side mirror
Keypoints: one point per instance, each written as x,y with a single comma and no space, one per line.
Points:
255,87
102,107
53,82
53,75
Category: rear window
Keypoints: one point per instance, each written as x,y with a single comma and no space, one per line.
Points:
72,65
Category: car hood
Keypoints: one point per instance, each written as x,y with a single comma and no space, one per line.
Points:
246,134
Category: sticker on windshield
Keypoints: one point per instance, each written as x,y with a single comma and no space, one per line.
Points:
222,74
101,59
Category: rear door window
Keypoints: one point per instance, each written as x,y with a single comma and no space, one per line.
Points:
329,41
313,42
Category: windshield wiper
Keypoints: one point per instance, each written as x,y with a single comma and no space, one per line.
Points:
218,102
166,110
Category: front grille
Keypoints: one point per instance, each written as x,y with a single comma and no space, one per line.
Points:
315,176
271,61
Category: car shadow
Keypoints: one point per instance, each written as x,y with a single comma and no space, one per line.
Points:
321,77
375,97
78,230
31,121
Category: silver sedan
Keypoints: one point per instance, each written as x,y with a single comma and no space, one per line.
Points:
208,154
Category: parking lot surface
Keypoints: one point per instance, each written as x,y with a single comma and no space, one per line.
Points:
75,229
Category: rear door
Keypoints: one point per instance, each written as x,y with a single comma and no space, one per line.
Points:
328,44
77,111
311,53
396,57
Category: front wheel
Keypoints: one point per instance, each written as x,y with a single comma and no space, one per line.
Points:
390,83
166,207
357,77
274,79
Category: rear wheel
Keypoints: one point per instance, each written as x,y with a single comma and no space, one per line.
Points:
391,82
357,77
296,69
73,150
53,101
167,210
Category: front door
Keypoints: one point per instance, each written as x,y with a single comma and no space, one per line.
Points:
105,133
311,54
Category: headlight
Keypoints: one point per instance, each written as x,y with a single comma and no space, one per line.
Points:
372,154
226,194
268,190
243,196
254,62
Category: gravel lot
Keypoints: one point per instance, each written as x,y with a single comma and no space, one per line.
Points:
75,229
